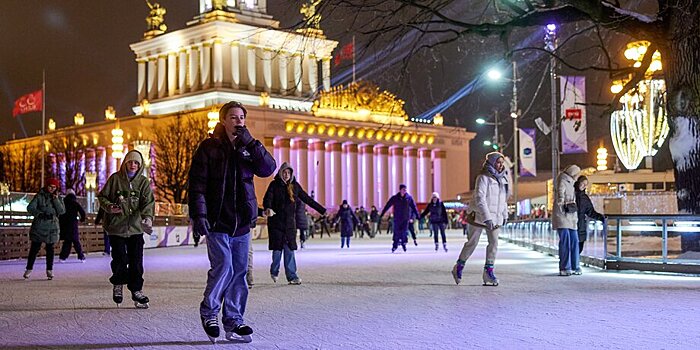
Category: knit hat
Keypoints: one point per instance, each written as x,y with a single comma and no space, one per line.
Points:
573,170
436,195
492,157
53,181
345,201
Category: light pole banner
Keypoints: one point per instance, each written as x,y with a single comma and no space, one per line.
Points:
573,125
528,161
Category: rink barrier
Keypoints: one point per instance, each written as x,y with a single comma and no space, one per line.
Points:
658,243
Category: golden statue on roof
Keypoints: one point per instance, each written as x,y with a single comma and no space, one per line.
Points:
155,20
361,101
312,19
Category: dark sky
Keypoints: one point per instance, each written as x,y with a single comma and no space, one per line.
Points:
84,48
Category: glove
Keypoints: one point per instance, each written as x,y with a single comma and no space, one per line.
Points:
489,224
243,136
201,226
570,207
147,225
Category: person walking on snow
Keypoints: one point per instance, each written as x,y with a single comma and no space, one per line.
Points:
129,205
585,209
46,206
438,218
490,211
404,207
69,227
565,221
222,206
280,203
347,220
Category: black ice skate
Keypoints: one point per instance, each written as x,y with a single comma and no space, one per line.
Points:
211,327
240,333
140,299
118,293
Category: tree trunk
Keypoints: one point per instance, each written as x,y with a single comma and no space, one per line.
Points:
682,73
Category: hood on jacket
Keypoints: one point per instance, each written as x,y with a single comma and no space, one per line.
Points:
219,132
132,155
70,197
284,167
573,171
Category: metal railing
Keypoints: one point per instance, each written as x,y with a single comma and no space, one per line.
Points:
639,242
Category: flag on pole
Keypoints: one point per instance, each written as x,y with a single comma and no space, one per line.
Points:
31,102
346,53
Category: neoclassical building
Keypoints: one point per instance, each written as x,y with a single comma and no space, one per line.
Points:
351,142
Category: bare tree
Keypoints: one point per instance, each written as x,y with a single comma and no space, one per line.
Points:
72,148
175,143
672,27
22,166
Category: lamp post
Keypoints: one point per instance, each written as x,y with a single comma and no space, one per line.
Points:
496,141
550,44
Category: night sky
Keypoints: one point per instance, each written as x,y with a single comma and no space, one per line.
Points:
84,48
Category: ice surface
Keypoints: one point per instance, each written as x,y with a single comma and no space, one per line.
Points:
361,298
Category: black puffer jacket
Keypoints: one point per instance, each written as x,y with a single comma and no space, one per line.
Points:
209,172
282,226
68,222
437,211
585,208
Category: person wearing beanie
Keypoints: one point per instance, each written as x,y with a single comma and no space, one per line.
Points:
585,209
279,204
565,221
438,219
347,219
129,205
46,207
69,227
490,211
404,208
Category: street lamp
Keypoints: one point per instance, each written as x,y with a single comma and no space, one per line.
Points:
495,142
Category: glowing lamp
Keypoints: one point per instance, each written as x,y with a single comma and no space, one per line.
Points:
79,119
351,132
110,113
602,159
213,118
310,129
361,133
288,126
300,128
616,86
380,134
331,130
117,143
487,143
397,137
414,138
341,131
388,135
370,133
422,139
321,129
494,74
52,124
431,139
406,136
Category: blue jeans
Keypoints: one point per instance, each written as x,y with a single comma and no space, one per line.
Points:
226,280
568,249
290,263
441,228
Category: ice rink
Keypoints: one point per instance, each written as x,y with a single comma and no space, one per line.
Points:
361,298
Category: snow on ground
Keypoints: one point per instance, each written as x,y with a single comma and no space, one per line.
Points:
362,298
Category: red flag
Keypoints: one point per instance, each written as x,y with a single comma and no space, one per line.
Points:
345,53
31,102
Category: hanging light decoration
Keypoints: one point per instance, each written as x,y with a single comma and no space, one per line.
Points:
79,119
602,158
117,142
640,127
213,118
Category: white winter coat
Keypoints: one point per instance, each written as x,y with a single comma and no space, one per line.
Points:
490,199
565,194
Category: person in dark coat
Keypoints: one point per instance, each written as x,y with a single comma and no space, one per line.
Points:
374,220
404,207
323,223
302,222
363,226
347,219
46,206
69,226
412,228
280,205
585,209
438,218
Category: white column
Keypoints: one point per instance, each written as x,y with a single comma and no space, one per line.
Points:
284,79
326,71
396,168
334,196
194,69
282,147
267,69
381,175
182,72
410,160
251,67
351,175
141,87
312,66
311,168
235,65
439,174
152,88
172,73
301,152
218,64
318,147
205,66
425,180
297,75
366,176
162,71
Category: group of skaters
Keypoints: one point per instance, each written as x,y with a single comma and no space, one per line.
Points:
223,207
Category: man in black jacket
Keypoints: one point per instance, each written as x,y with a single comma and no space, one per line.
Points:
222,206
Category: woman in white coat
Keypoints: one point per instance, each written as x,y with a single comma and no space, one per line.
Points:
491,211
565,221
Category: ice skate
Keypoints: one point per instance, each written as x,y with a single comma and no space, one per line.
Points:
577,272
118,293
211,327
437,246
489,277
27,274
241,333
564,273
49,274
274,278
296,281
457,271
444,246
404,247
140,299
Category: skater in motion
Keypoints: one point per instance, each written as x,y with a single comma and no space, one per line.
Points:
222,206
565,221
69,226
585,209
129,205
280,202
438,219
404,207
347,220
374,220
46,206
490,213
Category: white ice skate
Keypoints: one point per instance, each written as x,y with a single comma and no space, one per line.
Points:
489,277
241,333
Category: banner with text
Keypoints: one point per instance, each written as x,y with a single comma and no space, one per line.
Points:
573,125
528,160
